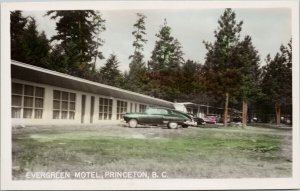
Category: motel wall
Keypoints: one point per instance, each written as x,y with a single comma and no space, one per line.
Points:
89,116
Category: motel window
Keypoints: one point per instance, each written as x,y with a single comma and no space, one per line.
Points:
27,101
121,109
105,109
63,105
142,108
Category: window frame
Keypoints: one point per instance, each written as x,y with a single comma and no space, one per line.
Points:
35,111
102,114
63,110
121,108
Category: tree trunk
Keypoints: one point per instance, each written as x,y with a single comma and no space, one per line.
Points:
277,112
244,115
81,64
96,55
226,108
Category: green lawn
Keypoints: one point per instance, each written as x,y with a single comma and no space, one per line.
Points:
181,153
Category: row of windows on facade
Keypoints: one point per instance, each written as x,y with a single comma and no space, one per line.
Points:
28,102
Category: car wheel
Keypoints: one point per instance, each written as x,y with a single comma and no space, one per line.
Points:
185,126
132,123
172,125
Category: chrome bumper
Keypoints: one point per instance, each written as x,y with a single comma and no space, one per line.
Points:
191,123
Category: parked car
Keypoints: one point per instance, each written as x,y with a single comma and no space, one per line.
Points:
196,120
199,121
158,116
211,119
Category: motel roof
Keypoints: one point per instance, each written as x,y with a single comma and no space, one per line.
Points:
36,74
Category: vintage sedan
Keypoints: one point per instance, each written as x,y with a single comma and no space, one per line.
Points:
158,116
210,119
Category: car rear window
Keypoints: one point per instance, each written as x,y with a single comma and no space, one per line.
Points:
157,111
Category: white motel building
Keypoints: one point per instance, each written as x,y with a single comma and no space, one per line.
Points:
46,97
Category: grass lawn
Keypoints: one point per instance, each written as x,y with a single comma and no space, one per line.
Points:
183,153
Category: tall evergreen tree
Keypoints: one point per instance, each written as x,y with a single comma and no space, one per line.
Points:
79,30
164,66
176,57
35,44
27,43
277,78
137,66
57,60
65,60
139,33
247,60
110,73
167,53
220,73
99,24
190,80
17,29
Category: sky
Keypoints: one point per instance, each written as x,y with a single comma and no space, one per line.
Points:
269,28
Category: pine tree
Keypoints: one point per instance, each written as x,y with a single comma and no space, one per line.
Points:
17,29
176,58
220,73
190,80
27,43
139,33
79,31
137,66
247,60
110,73
277,78
98,23
65,59
35,44
57,60
165,65
167,53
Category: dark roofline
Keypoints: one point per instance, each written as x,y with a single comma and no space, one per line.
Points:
36,74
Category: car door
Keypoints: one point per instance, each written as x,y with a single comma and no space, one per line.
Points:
168,116
174,116
152,116
162,116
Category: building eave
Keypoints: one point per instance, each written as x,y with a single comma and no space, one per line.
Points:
36,74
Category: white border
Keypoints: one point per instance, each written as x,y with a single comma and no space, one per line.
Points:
174,184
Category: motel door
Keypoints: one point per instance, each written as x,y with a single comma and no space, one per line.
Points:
92,108
83,98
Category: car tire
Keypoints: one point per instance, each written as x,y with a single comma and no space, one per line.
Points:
132,123
185,126
172,125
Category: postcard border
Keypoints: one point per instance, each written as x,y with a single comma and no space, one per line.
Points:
208,184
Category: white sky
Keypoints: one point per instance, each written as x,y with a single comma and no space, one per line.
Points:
269,28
